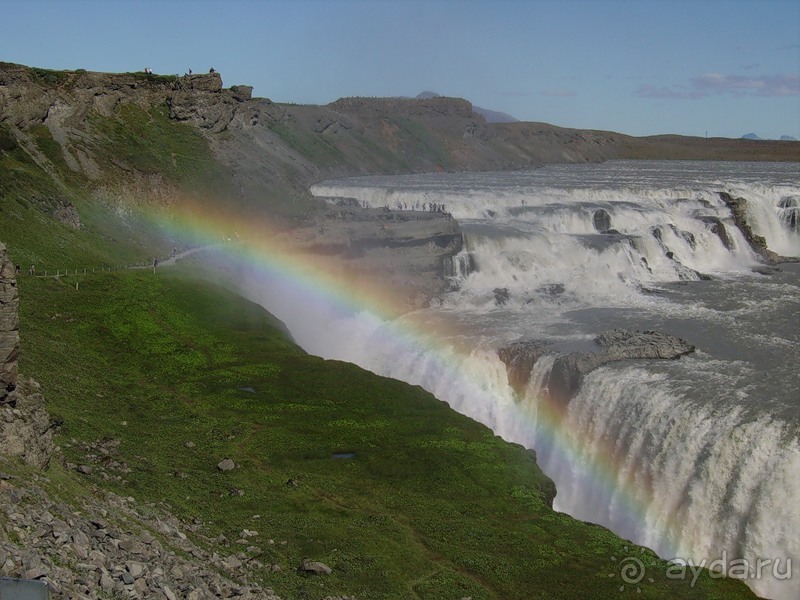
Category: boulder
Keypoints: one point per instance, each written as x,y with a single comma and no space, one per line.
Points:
226,464
601,220
242,92
314,568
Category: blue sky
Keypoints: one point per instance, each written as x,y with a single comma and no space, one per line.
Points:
726,67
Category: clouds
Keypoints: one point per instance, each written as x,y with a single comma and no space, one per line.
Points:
715,84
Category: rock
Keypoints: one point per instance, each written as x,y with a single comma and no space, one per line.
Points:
26,429
84,469
9,326
738,208
106,583
519,358
127,578
136,569
169,593
601,220
226,464
314,568
202,82
242,92
501,296
66,212
718,228
568,370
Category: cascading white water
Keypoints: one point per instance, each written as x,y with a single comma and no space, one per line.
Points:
696,458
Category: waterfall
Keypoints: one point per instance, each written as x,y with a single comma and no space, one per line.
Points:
697,458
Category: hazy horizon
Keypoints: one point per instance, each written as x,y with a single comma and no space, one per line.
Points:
722,68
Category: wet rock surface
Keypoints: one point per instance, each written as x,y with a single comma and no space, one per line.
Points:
738,207
568,370
408,251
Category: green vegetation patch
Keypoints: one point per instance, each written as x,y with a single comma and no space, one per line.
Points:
398,494
149,142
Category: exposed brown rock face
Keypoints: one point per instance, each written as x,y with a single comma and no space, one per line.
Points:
9,326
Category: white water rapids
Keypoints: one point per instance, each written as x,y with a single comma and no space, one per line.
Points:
696,458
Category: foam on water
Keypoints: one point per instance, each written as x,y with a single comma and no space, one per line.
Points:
694,458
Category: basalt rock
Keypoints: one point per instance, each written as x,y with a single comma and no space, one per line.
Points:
717,227
758,243
568,370
519,358
9,326
601,220
26,428
106,550
65,212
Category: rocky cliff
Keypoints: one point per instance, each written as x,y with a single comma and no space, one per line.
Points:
273,149
26,429
568,370
9,326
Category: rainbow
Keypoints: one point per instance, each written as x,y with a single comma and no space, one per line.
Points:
271,259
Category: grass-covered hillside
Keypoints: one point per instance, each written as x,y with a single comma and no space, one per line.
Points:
398,494
158,377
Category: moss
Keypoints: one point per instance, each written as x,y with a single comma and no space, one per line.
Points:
48,76
431,503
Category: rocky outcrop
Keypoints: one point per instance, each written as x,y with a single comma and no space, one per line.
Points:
568,370
758,243
241,93
519,358
210,82
9,326
408,251
65,212
113,548
26,428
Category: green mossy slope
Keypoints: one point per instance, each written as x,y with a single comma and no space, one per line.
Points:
430,505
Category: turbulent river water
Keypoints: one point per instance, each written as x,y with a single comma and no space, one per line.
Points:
697,458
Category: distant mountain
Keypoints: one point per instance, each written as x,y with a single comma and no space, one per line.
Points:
491,116
783,138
